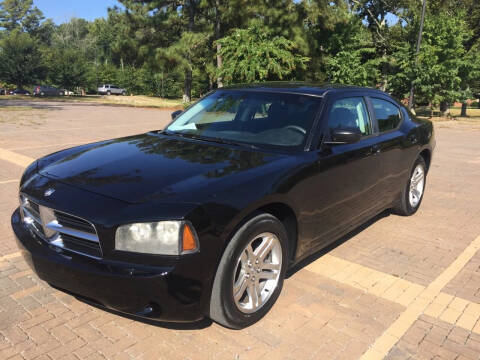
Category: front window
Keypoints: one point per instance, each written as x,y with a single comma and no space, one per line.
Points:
350,113
271,119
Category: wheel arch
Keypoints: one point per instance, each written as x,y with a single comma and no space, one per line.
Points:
427,156
282,210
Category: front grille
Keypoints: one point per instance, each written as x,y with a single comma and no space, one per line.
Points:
60,229
74,222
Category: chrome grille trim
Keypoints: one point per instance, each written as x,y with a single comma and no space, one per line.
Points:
55,226
80,234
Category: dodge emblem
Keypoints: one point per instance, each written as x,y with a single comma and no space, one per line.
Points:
49,192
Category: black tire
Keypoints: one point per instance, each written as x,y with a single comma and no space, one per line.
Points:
223,309
62,93
109,93
124,93
42,94
403,206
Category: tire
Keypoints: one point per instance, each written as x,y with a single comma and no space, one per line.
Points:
109,93
42,94
405,206
62,93
124,93
255,232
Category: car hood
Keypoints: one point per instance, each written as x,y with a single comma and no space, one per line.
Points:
152,166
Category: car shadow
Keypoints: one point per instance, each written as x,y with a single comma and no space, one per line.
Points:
196,325
206,322
311,258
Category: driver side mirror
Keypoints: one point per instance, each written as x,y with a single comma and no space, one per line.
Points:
176,113
345,136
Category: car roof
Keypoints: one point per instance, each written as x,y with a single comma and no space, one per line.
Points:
299,87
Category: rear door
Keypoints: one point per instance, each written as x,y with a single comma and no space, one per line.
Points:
345,187
390,151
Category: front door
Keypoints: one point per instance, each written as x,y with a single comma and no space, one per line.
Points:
346,176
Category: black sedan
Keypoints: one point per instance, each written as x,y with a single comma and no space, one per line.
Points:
204,218
19,92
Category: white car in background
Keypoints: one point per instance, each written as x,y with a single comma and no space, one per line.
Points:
108,89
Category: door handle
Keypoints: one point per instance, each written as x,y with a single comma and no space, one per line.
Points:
413,139
375,149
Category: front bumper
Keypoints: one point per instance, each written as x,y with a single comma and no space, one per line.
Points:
157,292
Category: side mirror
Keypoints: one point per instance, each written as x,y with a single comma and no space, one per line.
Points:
345,136
176,113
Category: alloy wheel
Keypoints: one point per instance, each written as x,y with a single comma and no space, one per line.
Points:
257,272
417,182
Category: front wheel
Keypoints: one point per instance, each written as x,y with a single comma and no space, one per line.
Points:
412,194
250,276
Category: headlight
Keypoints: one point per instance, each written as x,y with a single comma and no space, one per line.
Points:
162,238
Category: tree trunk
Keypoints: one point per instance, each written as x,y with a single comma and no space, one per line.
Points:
219,66
444,108
217,37
464,110
187,88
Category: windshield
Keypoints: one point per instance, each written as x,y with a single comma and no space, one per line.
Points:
252,117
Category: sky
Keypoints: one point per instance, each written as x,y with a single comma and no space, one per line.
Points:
62,10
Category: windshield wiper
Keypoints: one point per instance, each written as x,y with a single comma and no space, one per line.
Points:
227,141
218,140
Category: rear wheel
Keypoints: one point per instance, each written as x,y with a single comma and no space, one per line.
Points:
250,276
109,93
412,194
124,93
42,94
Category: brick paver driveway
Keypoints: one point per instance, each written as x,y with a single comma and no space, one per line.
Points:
397,288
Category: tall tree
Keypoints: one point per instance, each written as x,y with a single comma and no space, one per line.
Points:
254,55
19,14
20,59
438,75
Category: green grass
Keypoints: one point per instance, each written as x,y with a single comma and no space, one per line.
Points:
132,101
472,113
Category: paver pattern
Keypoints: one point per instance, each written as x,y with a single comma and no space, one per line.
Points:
399,287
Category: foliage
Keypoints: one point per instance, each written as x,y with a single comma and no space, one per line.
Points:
20,59
19,14
437,77
185,48
253,55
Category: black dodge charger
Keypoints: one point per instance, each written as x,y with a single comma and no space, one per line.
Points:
203,218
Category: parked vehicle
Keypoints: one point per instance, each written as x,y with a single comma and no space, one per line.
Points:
47,91
205,217
3,91
108,89
19,92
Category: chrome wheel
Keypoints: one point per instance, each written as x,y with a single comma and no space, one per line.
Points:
257,272
417,182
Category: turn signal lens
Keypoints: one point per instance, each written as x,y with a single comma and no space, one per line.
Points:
189,242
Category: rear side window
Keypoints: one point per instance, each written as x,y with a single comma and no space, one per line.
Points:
387,114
